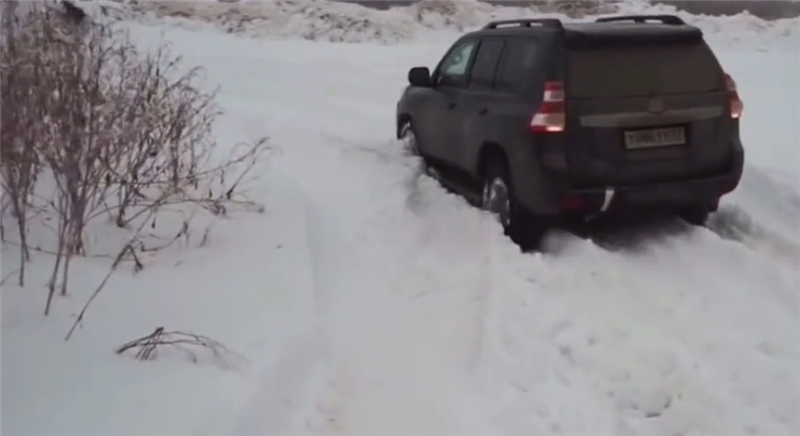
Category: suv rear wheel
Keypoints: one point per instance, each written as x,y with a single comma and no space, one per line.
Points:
497,197
696,215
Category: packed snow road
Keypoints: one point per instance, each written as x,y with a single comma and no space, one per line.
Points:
434,323
421,317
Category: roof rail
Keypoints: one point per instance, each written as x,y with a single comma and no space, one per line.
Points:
527,22
672,20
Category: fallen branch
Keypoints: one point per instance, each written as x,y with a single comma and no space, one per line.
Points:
147,347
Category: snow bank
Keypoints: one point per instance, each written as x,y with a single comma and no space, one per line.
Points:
323,20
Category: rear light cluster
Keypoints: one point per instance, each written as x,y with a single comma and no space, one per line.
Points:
551,116
737,107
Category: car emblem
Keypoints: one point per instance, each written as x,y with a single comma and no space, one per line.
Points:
656,106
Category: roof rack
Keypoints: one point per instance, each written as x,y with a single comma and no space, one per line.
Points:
672,20
554,23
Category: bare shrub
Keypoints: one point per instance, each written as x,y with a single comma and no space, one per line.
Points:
18,134
118,132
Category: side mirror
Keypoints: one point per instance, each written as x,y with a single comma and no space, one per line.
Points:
419,76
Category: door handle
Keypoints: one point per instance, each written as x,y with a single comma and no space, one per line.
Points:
483,111
451,105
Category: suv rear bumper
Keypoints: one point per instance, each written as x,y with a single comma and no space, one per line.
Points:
665,196
671,196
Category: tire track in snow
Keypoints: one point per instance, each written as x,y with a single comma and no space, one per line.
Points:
420,193
296,361
282,390
322,385
415,211
399,357
325,407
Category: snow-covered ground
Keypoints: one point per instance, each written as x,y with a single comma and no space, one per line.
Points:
367,300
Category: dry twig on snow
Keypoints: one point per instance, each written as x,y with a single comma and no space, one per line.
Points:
147,347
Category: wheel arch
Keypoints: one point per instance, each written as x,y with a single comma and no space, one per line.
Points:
489,152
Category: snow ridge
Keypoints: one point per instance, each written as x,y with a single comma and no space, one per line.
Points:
324,20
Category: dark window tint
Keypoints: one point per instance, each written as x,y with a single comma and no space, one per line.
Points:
453,70
643,71
518,60
485,64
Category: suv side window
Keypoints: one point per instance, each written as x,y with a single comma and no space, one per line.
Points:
453,70
519,57
485,65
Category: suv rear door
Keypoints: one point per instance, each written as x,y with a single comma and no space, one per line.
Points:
497,106
474,104
645,112
440,120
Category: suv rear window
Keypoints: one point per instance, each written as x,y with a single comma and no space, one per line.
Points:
643,70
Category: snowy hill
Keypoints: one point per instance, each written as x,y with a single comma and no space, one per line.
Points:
367,300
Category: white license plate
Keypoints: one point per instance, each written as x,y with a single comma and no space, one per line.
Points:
664,137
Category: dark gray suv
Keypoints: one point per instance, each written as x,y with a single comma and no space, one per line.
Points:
538,121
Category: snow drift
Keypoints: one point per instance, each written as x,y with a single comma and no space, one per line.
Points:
323,20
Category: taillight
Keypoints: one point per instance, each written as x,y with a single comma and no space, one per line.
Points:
551,116
737,106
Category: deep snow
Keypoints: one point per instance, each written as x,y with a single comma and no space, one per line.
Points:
367,300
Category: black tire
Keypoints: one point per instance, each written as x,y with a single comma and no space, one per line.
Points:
696,215
521,226
409,138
